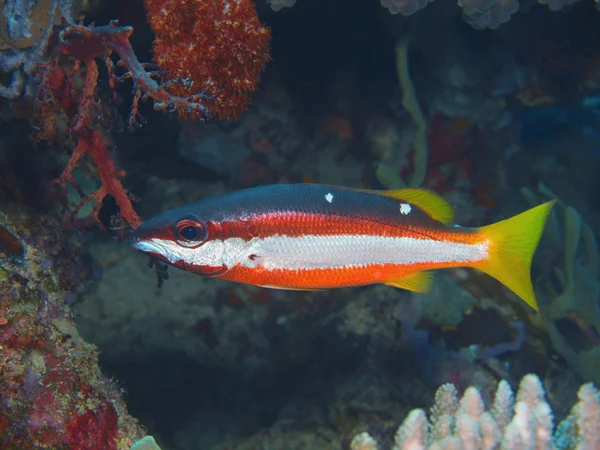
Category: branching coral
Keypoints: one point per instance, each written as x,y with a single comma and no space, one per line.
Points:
404,7
527,424
90,43
278,5
210,55
479,14
80,44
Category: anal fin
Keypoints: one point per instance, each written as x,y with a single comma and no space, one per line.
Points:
286,288
416,282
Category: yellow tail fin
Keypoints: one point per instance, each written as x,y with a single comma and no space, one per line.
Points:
513,243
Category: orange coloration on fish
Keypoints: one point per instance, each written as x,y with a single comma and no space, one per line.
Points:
308,236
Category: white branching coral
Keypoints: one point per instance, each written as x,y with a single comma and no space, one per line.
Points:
524,424
479,14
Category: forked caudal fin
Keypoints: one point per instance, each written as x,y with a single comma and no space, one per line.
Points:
512,245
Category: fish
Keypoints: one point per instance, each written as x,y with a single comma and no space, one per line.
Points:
314,237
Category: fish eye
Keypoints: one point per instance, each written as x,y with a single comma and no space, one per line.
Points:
189,232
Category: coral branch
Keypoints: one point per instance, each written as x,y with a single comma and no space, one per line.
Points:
83,112
88,43
528,423
92,144
84,44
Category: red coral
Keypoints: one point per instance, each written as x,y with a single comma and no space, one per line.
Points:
52,394
66,412
214,46
81,109
79,48
95,428
89,43
57,406
92,144
45,421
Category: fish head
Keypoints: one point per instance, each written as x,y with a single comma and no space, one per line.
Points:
183,240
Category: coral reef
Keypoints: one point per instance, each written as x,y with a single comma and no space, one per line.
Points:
466,424
352,95
52,392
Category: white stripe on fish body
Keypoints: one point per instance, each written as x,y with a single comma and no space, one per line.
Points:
319,252
228,252
343,251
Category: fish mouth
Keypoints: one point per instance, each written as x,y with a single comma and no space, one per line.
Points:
150,248
146,246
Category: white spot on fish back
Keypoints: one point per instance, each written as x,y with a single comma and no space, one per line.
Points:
329,197
405,208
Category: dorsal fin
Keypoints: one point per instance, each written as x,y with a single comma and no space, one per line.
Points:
431,203
416,282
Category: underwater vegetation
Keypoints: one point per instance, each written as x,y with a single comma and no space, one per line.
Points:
115,112
573,303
